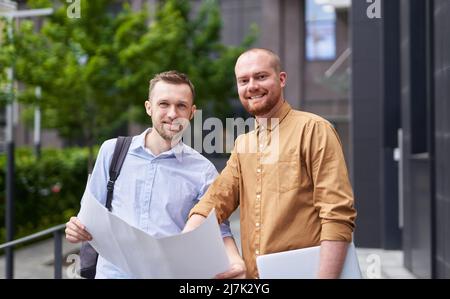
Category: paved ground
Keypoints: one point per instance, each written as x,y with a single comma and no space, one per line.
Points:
36,261
378,263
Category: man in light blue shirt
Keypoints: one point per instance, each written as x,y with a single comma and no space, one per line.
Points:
161,178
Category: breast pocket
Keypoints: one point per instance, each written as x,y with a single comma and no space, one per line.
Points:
288,175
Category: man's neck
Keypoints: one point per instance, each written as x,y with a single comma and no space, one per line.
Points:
272,112
156,144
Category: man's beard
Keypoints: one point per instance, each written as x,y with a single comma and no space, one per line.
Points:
163,133
168,135
263,109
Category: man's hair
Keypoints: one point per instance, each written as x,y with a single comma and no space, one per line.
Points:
172,77
275,59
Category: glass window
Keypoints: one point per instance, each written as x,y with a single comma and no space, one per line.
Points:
320,30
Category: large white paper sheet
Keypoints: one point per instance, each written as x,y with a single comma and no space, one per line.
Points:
196,254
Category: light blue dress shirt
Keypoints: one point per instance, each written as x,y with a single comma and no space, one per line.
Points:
153,193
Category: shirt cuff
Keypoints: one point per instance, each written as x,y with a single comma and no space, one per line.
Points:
200,210
336,231
225,229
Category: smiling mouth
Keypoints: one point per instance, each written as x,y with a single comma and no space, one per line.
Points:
256,97
175,127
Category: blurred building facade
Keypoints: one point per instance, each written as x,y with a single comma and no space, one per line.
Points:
401,130
313,45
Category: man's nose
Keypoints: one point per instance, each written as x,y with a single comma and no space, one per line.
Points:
252,85
172,112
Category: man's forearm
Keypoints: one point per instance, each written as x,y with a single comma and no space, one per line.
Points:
232,251
230,245
193,222
237,266
332,258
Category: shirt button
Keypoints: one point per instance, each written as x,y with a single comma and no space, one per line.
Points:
258,170
257,224
256,251
258,197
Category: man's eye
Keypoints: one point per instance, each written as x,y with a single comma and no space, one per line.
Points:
261,77
243,82
163,104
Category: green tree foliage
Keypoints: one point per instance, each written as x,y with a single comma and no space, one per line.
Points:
94,70
174,41
6,61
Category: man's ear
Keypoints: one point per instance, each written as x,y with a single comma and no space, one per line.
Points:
283,79
193,109
148,107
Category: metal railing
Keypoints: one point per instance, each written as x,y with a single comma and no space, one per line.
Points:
57,237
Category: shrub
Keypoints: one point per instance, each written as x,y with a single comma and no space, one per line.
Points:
47,190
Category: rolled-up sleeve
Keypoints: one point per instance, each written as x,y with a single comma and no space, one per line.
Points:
333,195
223,194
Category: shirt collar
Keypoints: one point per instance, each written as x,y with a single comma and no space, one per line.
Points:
138,144
275,120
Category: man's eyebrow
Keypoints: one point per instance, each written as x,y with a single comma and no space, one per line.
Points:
179,101
254,74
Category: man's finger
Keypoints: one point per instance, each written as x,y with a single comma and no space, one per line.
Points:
70,235
228,274
78,223
235,271
72,239
76,230
83,229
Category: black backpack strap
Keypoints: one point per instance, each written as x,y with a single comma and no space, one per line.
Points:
120,152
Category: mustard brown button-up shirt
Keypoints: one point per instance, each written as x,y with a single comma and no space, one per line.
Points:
290,180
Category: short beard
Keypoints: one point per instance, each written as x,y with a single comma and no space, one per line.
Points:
261,110
163,135
173,139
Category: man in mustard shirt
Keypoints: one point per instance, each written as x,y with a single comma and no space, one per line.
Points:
288,176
